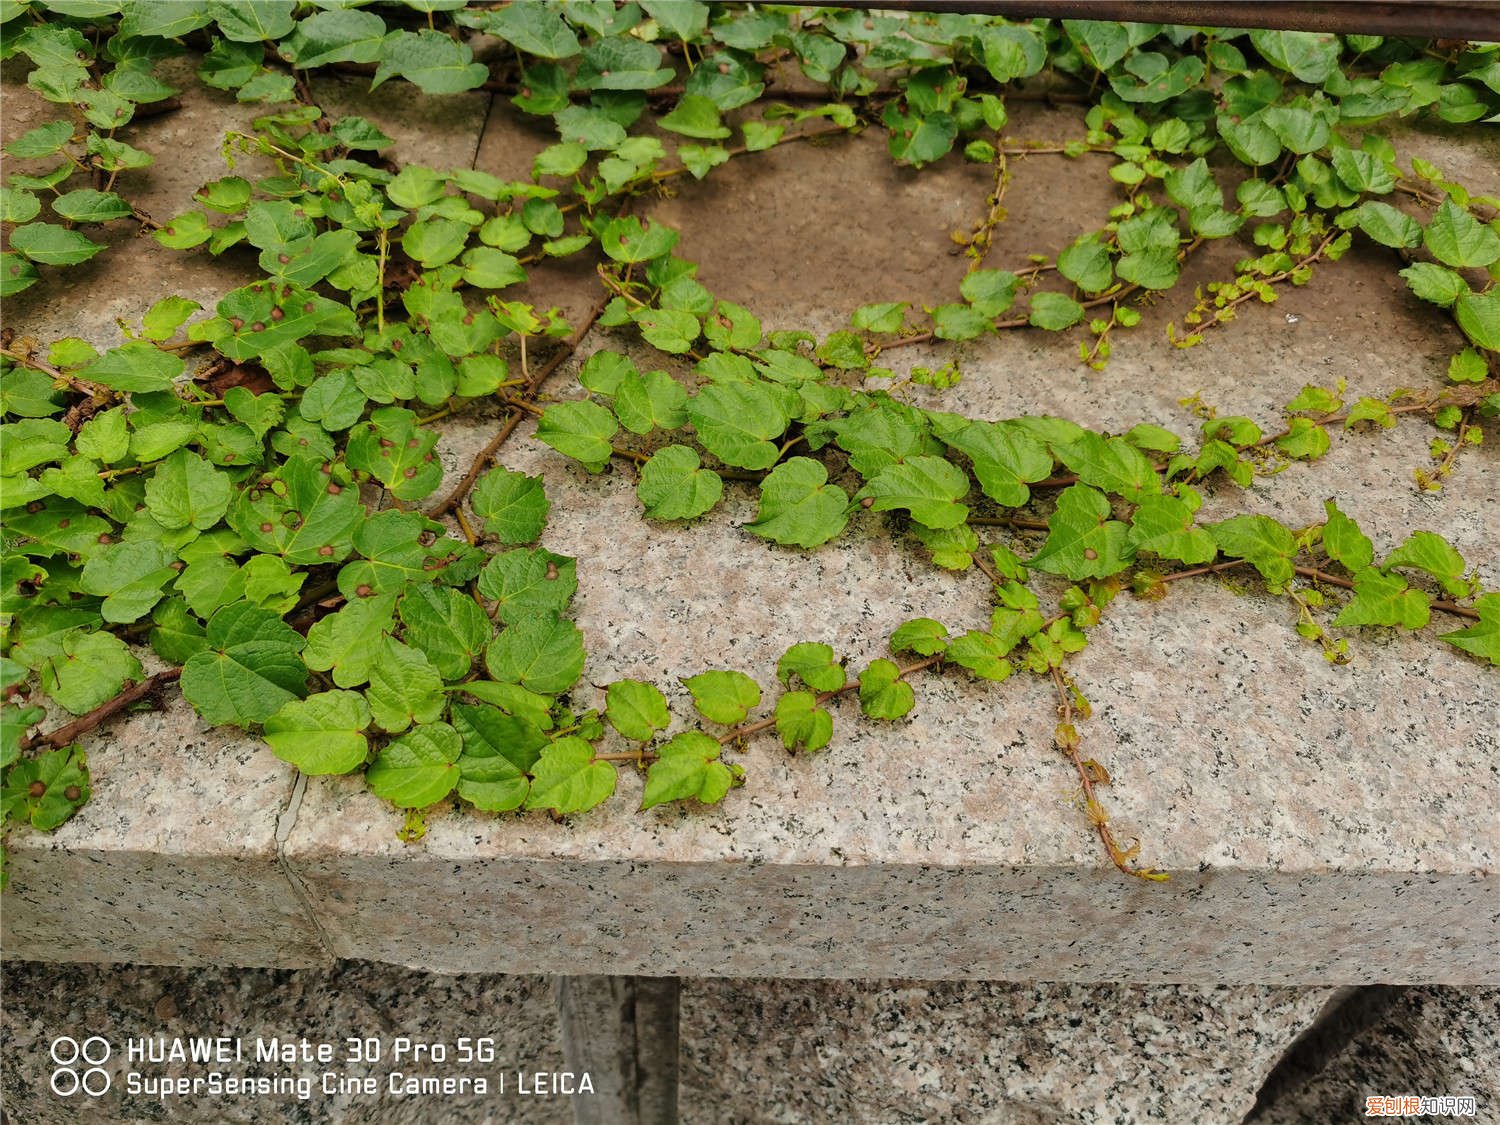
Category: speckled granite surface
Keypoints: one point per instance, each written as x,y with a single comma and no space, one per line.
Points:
1432,1042
751,1051
1322,824
324,1006
904,1052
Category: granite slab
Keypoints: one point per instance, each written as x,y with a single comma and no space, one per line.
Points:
905,1052
1322,825
373,1004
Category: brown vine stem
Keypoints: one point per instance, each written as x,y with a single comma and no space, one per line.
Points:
513,419
1316,575
1090,774
759,725
1010,521
69,732
97,393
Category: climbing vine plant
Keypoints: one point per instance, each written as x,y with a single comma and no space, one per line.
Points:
252,492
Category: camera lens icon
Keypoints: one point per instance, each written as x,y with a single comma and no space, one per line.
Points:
68,1053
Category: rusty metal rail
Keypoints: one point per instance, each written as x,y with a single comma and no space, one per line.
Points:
1474,20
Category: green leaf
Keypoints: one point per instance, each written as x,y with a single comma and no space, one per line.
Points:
1430,552
488,268
687,767
1386,225
186,491
886,317
626,240
959,322
393,449
1262,542
535,28
447,626
952,548
418,769
646,402
498,750
581,430
723,697
800,721
1478,314
135,366
1345,542
1468,366
567,780
431,61
928,487
16,274
404,687
1110,464
1083,542
56,771
89,206
735,422
798,507
695,116
983,654
674,487
529,583
129,576
87,669
348,642
44,140
1458,239
882,692
814,664
435,241
1054,311
312,522
1381,599
921,635
249,671
621,63
1163,526
668,330
637,710
1311,56
512,505
51,245
166,19
1086,264
321,734
682,19
1483,638
1006,458
542,652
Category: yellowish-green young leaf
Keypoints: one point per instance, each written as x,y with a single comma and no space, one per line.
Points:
921,635
687,767
322,734
1345,543
814,664
674,486
637,710
567,780
801,722
882,692
1482,639
1384,599
723,697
